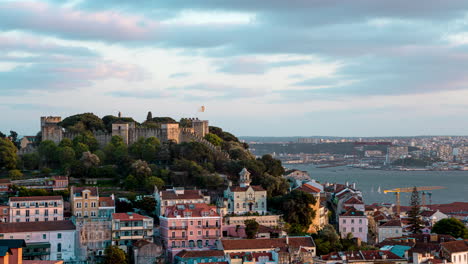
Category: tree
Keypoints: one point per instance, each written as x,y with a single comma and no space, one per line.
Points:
273,166
154,181
31,160
114,255
14,138
116,150
48,152
88,139
8,157
79,149
2,135
15,174
149,117
66,155
145,149
83,122
414,213
213,139
296,209
147,204
66,142
451,226
251,228
141,170
89,160
130,182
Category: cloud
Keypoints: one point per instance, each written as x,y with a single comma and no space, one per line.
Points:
253,65
66,22
50,76
180,75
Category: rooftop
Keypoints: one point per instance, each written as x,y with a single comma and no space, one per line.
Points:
200,253
129,216
256,188
271,243
456,246
36,226
190,210
353,212
185,194
35,198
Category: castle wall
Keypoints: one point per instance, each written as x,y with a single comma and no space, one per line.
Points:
137,133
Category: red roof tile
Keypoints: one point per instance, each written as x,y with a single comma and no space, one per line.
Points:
195,210
353,212
106,202
79,190
187,195
456,246
353,200
36,226
129,216
256,188
200,253
271,243
308,189
392,223
35,198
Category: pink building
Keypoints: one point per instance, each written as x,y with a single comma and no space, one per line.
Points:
354,222
190,226
36,209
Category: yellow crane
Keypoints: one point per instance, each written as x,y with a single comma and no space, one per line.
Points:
397,192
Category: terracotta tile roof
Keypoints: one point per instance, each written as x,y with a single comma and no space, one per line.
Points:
392,223
353,212
187,195
353,200
427,213
42,261
271,243
79,190
308,189
36,226
362,255
256,256
456,246
129,217
200,253
35,198
106,202
455,207
256,188
195,210
5,181
61,178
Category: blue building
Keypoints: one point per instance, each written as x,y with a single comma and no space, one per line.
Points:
199,256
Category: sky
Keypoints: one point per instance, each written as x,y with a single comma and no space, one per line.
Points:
260,68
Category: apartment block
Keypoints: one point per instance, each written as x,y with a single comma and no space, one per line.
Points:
36,209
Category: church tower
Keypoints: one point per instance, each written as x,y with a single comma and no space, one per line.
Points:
244,178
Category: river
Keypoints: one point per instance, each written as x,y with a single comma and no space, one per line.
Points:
369,181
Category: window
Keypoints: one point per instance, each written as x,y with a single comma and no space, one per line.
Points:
85,205
352,229
86,213
27,219
55,211
86,196
59,235
93,204
173,234
78,205
360,221
344,221
55,218
344,229
93,213
59,256
17,220
44,236
237,205
199,232
360,229
18,212
27,212
183,243
36,220
199,223
46,219
191,233
37,211
46,212
352,221
173,243
191,222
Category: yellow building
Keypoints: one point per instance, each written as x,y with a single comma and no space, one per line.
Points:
84,201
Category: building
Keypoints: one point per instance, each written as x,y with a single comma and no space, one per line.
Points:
146,252
177,195
53,183
54,240
190,227
130,133
92,215
395,153
321,216
361,256
4,213
36,208
354,222
297,175
354,202
245,198
455,251
199,256
127,228
11,252
392,228
84,201
432,217
288,249
5,186
27,140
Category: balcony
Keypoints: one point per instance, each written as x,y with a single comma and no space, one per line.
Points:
211,236
177,237
211,226
132,228
178,227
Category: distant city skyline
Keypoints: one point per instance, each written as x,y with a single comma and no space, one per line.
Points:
262,68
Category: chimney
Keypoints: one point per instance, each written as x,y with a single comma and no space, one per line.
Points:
113,197
287,240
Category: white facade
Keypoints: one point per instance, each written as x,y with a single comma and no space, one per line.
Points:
36,209
62,242
389,231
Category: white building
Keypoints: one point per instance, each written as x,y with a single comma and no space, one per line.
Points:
36,209
54,240
246,198
392,228
455,252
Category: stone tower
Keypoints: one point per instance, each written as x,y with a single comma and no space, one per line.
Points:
170,132
50,129
121,129
244,180
200,127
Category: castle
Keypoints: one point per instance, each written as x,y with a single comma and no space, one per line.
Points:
130,133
